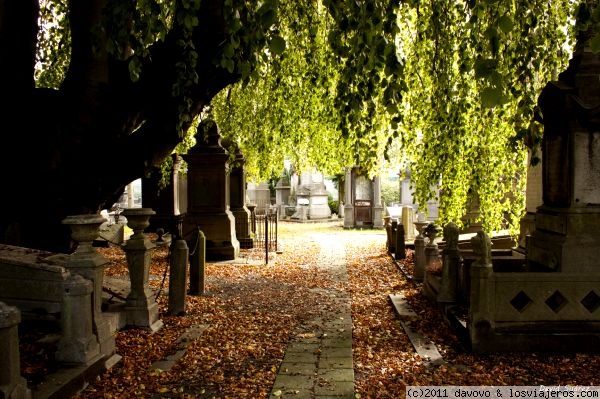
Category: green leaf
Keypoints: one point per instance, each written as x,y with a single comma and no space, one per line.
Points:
595,43
277,45
506,24
269,18
484,67
491,97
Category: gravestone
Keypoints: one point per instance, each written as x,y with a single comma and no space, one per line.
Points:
311,198
567,232
208,194
237,200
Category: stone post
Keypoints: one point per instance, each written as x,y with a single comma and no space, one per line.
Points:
451,263
419,257
78,344
90,264
400,252
141,308
348,207
377,207
12,385
178,271
198,265
481,296
393,233
252,209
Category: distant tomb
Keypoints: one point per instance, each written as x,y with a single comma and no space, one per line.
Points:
362,200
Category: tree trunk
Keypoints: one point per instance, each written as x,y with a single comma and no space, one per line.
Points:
73,150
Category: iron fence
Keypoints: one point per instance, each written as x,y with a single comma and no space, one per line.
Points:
265,231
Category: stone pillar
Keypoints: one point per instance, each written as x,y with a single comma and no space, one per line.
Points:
419,257
178,271
377,206
348,207
481,297
237,199
408,221
400,252
12,385
90,264
141,307
451,264
198,264
78,344
252,208
208,194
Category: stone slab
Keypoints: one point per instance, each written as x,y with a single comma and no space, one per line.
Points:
423,346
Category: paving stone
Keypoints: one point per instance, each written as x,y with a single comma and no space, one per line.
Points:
335,363
300,357
308,369
333,352
337,342
337,375
290,382
335,389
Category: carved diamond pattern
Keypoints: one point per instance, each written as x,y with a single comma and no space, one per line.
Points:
556,301
520,301
591,301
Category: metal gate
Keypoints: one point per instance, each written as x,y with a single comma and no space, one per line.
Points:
265,233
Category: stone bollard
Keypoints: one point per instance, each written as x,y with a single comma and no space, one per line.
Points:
451,264
178,273
12,385
419,257
198,265
393,230
78,344
400,252
141,307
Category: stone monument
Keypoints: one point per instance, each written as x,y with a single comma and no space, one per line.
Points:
208,194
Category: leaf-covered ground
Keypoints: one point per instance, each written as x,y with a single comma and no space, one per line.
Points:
251,311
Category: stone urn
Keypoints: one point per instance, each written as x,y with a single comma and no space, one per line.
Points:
138,219
84,230
420,226
431,232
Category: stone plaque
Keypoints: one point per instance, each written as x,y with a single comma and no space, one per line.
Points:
586,172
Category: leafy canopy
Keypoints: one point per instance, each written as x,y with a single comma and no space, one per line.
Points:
449,87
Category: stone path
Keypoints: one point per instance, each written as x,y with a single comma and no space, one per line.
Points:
318,362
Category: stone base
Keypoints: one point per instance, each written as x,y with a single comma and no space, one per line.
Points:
485,341
566,240
246,243
219,230
144,317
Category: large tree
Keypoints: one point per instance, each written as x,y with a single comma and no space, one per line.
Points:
125,79
97,93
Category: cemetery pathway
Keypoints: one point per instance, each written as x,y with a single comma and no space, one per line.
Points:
318,362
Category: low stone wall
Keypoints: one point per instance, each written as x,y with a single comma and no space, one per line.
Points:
534,311
32,280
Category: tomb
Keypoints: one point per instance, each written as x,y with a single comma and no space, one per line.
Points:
208,199
311,198
362,202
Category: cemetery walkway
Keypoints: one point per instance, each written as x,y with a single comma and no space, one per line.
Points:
318,363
